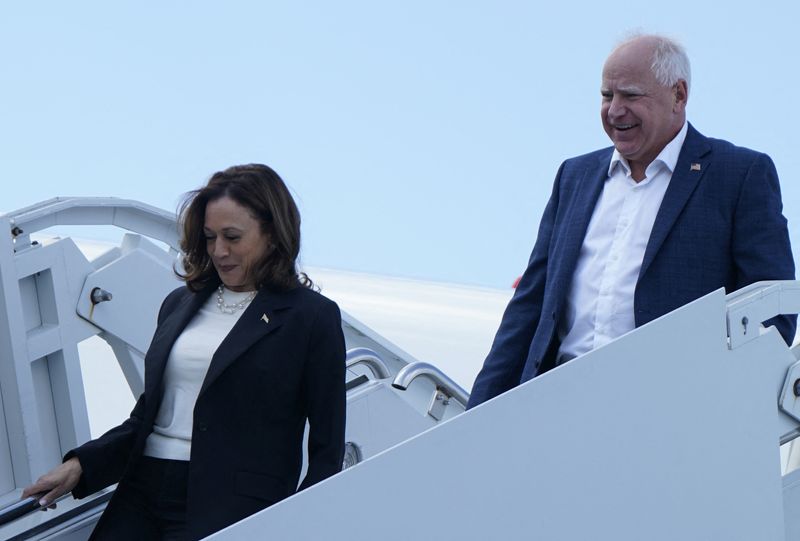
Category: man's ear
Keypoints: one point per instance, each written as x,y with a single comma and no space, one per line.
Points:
681,95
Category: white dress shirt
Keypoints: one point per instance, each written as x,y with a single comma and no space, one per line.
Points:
599,304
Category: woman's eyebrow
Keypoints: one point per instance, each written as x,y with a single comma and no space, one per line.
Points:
228,229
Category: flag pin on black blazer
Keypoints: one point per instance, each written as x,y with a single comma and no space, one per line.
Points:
264,318
694,167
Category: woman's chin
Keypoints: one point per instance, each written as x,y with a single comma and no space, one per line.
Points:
237,285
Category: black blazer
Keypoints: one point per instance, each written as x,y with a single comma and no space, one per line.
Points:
282,363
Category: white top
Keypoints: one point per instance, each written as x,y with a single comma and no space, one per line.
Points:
600,301
184,374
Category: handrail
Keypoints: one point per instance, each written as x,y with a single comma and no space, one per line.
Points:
443,382
18,509
369,358
24,506
124,213
53,520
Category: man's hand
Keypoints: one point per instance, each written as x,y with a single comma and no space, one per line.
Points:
56,482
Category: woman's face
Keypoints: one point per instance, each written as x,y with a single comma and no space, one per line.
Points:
234,242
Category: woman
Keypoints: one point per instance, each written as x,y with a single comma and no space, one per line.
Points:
242,356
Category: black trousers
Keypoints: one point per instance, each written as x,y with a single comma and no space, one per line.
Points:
149,504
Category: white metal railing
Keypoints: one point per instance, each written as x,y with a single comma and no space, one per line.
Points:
368,358
443,382
127,214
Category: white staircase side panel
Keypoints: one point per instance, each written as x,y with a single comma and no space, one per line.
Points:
791,505
623,443
138,280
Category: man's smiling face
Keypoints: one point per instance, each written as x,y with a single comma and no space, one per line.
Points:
639,114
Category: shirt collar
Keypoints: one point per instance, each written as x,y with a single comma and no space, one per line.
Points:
668,155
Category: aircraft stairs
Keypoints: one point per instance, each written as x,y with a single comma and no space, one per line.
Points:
673,431
54,298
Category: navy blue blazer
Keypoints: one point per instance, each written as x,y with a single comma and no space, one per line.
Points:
264,381
720,224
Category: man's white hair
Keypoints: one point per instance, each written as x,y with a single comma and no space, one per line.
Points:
670,62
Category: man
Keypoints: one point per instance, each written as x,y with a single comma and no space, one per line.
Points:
636,230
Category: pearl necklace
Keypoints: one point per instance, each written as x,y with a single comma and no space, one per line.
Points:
232,308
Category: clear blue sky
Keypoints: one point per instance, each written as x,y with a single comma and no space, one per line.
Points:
420,137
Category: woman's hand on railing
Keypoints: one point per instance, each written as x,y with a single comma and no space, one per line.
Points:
56,482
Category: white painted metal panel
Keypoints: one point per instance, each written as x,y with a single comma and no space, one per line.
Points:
623,443
791,505
138,280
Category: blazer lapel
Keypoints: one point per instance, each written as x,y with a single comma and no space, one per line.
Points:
264,315
165,336
693,162
577,222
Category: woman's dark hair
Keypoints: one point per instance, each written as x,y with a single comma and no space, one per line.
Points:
260,190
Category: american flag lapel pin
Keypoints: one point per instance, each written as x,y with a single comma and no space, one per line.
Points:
694,167
264,318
